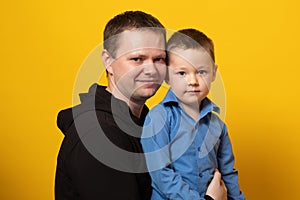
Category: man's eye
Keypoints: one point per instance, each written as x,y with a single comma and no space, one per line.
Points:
136,59
162,60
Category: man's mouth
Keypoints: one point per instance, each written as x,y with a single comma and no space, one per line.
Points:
149,81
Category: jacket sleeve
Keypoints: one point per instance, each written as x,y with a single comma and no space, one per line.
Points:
80,175
155,141
226,167
64,189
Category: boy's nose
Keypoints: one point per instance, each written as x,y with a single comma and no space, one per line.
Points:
192,80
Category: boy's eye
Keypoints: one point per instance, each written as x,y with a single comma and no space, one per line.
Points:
181,73
202,72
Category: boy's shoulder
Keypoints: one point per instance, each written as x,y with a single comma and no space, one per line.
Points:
216,118
159,109
165,112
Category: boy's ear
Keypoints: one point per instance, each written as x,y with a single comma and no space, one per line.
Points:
215,68
107,60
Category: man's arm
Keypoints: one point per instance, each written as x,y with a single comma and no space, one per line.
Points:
216,189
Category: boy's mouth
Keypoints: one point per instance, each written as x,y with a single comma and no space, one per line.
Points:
193,91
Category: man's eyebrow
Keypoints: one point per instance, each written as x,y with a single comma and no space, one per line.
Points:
145,55
161,55
136,54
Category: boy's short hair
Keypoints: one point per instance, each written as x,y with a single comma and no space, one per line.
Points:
129,20
191,39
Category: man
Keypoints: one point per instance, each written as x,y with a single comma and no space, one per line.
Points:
101,155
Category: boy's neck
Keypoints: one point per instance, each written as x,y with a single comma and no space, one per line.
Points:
192,110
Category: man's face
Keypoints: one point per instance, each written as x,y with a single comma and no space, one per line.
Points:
139,67
191,72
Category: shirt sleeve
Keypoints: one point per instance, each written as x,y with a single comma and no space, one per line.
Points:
226,167
155,141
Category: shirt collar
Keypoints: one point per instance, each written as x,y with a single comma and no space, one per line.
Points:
206,107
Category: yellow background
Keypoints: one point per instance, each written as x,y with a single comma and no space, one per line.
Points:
43,44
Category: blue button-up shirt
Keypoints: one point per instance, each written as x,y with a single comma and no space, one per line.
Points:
182,153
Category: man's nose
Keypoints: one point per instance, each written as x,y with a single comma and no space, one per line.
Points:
149,67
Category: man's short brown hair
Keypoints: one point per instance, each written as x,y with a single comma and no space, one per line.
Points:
128,20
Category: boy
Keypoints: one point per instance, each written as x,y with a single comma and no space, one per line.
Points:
183,140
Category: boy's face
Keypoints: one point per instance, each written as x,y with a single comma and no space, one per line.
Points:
139,67
191,72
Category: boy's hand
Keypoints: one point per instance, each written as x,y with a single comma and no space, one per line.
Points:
217,189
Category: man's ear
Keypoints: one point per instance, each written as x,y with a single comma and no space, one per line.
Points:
107,60
167,75
215,68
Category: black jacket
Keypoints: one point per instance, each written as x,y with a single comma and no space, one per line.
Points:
92,162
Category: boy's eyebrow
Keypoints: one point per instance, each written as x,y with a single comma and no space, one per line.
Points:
179,68
196,68
202,66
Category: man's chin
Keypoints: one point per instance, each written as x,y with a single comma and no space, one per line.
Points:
146,93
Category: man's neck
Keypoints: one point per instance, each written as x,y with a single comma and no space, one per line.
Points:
135,106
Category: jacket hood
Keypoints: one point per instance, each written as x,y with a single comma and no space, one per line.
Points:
93,100
98,99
